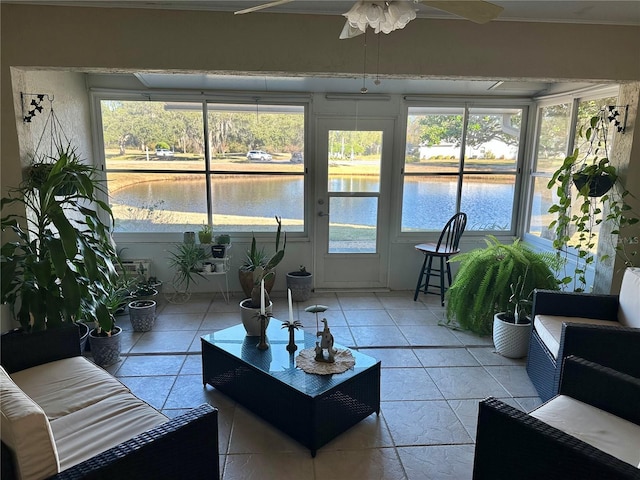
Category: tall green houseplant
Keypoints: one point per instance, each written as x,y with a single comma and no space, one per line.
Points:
59,259
484,283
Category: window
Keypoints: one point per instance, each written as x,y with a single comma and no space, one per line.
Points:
461,159
555,140
172,166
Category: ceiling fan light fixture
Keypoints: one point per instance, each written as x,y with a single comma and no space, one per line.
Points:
385,16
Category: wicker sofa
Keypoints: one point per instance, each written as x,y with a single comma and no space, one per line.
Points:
65,418
602,328
591,430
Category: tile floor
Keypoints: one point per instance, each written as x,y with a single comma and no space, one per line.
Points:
432,379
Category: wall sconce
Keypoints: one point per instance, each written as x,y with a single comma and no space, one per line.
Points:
36,103
613,115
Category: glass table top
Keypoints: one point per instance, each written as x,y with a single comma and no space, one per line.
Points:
278,362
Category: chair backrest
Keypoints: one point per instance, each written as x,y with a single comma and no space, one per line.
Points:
451,233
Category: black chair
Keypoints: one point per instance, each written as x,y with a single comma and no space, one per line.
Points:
562,439
446,247
602,328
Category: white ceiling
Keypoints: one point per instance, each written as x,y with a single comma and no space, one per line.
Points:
614,12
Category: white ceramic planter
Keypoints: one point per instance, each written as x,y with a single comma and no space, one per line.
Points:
511,339
251,317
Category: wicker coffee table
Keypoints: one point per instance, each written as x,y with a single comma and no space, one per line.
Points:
312,409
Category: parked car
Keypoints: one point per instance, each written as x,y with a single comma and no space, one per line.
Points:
259,155
296,157
163,152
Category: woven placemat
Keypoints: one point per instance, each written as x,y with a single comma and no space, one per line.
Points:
306,360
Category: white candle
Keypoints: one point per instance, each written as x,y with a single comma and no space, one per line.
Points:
262,297
290,307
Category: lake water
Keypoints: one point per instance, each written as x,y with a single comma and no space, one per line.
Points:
427,204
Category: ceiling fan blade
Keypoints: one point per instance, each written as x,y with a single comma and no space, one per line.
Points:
262,7
477,11
349,32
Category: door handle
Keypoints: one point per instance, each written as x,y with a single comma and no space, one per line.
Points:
322,214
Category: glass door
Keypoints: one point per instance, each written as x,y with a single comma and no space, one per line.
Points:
352,205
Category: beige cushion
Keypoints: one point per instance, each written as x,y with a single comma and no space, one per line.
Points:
66,386
87,432
600,429
26,431
549,328
629,308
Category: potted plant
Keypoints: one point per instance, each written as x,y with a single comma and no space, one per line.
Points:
258,265
205,235
186,259
596,189
300,284
142,314
222,243
59,254
483,283
512,328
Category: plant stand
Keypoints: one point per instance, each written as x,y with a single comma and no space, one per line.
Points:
511,339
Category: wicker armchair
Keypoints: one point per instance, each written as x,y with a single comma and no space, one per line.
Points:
602,328
184,447
512,444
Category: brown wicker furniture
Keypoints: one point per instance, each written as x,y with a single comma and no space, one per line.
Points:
602,328
49,367
312,409
511,444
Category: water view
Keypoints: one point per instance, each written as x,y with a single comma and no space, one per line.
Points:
250,205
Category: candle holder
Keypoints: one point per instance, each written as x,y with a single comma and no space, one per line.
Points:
263,344
292,326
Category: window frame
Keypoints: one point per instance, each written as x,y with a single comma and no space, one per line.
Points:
467,105
574,98
205,100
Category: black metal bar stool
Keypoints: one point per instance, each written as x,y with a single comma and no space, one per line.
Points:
446,247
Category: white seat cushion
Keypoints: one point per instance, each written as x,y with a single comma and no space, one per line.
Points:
629,307
87,432
26,431
549,328
600,429
66,386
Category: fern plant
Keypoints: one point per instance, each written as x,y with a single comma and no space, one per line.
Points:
483,284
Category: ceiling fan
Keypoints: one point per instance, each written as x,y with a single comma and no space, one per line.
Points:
478,11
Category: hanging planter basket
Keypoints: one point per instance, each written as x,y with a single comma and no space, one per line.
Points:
598,186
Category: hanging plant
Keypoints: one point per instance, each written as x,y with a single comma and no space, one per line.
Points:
580,210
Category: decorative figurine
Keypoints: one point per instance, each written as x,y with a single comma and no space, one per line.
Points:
326,343
316,309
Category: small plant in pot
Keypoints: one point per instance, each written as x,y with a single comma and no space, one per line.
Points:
258,264
512,328
205,235
142,314
250,308
300,283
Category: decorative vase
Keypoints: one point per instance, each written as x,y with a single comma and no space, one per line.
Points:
511,339
300,284
251,317
142,314
106,349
